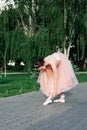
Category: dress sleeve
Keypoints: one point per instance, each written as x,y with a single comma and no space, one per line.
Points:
53,60
56,56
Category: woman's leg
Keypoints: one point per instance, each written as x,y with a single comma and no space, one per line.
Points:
48,82
48,100
61,99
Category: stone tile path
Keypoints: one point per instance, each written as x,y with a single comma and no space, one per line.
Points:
26,112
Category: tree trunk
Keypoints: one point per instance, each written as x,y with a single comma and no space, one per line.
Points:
67,50
5,66
31,26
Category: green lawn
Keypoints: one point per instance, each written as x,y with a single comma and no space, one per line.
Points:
18,84
82,77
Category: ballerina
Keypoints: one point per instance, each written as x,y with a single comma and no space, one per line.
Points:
56,76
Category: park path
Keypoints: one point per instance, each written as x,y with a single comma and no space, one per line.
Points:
26,112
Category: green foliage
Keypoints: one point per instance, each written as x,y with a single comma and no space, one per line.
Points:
17,40
35,46
34,74
76,68
35,28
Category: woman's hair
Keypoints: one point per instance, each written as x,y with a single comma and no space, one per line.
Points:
39,62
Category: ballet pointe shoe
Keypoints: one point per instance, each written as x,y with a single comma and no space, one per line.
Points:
60,100
48,101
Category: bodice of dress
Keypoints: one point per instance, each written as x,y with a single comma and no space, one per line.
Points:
52,59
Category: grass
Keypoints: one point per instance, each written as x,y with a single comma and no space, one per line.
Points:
18,84
82,77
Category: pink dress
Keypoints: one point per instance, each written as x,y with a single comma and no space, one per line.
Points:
65,76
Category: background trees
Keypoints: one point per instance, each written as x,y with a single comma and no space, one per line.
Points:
38,27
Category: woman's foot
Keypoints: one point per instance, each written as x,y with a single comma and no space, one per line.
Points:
48,101
60,100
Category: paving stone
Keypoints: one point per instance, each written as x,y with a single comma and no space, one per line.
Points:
26,112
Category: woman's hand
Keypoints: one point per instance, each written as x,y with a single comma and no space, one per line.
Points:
42,68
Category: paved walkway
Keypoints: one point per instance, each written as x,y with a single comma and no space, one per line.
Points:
26,112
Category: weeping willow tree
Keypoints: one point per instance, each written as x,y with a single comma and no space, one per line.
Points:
17,40
70,15
11,36
81,32
4,38
40,26
74,29
58,25
83,37
47,34
50,19
35,47
26,15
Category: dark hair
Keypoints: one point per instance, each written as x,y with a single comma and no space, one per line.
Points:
39,62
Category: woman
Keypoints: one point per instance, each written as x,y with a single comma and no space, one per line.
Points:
56,76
